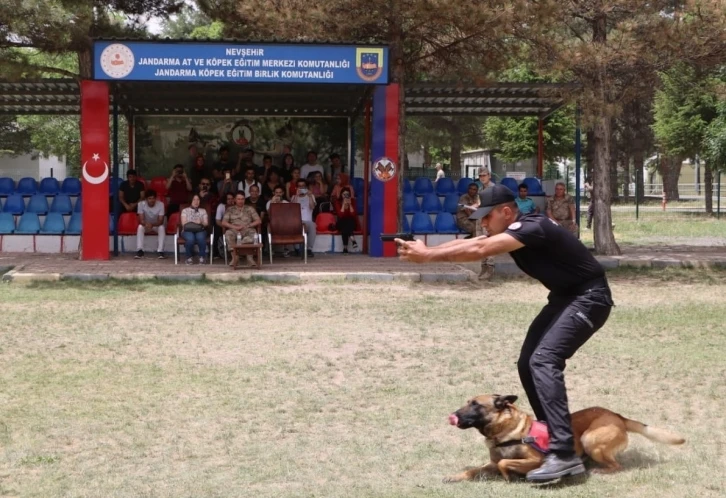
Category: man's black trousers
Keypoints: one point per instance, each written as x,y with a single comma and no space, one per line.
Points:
563,325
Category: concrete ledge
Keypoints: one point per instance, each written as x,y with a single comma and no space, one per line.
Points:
133,276
666,263
636,263
444,277
321,276
608,263
370,277
180,277
28,278
5,269
275,277
228,277
407,277
85,277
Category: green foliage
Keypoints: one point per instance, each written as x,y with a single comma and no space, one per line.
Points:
714,142
14,139
683,109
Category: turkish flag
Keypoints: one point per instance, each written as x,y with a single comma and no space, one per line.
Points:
95,170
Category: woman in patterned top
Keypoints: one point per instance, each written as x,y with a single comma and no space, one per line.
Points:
561,208
194,222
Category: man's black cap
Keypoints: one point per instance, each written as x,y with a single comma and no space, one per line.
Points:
490,198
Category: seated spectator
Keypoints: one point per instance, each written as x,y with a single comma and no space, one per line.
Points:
561,208
178,188
485,179
278,196
240,221
248,181
272,181
524,203
130,193
194,221
468,203
311,166
347,217
256,201
264,170
151,219
341,181
200,171
291,186
218,228
288,163
336,168
206,195
319,188
305,198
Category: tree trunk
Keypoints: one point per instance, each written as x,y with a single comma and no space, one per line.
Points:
85,64
590,153
613,167
708,180
604,239
426,155
638,164
670,171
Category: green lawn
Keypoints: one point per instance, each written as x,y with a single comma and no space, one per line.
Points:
335,390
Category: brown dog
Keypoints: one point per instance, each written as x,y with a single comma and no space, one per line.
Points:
599,434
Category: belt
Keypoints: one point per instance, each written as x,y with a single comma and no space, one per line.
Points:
595,283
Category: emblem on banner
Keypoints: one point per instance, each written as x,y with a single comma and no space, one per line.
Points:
242,134
369,63
117,60
95,180
384,169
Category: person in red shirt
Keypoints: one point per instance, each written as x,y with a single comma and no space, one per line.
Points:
178,188
347,217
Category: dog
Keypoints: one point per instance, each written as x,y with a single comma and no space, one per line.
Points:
599,433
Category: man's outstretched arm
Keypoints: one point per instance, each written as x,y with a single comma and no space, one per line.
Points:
461,251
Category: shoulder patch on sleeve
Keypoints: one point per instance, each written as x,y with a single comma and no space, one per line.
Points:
514,226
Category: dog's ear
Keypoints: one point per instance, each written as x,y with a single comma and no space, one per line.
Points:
502,402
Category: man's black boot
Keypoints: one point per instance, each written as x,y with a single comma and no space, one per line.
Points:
556,466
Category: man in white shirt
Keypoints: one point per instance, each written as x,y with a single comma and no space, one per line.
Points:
248,181
151,219
311,166
218,229
439,172
306,199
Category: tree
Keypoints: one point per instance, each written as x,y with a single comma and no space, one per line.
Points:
14,139
608,47
683,108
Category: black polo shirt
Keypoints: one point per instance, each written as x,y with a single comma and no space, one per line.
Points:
131,194
552,255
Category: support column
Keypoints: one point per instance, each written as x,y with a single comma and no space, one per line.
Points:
384,192
95,170
540,149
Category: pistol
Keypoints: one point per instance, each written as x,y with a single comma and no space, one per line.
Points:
390,237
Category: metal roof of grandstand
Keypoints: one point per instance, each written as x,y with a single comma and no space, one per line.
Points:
62,96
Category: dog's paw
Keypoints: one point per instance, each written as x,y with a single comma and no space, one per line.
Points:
454,478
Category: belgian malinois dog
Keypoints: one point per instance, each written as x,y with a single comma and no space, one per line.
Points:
599,433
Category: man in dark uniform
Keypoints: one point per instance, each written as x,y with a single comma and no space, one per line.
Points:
578,305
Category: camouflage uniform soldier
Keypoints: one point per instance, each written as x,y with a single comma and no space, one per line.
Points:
242,220
487,264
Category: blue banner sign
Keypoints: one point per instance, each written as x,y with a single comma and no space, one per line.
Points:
208,62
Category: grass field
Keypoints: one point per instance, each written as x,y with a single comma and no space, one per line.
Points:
335,390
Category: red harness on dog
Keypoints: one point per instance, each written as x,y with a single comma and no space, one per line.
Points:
538,438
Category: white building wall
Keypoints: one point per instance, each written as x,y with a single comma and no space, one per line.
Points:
32,166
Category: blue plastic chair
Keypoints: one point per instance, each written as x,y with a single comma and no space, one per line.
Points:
534,187
421,223
61,204
27,186
407,188
405,227
463,185
423,186
7,186
74,224
451,203
78,206
430,203
14,204
114,184
71,186
29,224
38,204
511,184
410,204
54,224
49,186
445,186
445,223
7,223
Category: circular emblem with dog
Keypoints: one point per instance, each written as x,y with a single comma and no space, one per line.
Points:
384,169
117,60
514,226
242,134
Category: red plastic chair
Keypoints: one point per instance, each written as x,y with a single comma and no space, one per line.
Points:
128,223
323,222
173,223
158,183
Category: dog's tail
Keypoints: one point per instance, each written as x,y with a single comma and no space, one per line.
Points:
653,433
